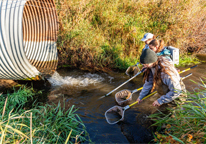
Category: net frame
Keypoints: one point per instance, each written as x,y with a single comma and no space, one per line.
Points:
118,96
114,108
132,68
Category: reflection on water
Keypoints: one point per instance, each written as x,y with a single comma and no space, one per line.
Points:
83,89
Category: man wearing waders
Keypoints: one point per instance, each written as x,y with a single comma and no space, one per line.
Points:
162,76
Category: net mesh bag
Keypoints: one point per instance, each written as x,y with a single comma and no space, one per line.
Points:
114,114
123,96
132,70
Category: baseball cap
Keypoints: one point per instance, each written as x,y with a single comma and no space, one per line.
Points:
147,36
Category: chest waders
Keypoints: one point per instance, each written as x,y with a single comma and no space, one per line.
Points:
163,89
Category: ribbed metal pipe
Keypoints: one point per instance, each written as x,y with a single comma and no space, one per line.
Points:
28,34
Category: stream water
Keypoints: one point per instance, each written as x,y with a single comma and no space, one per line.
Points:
83,89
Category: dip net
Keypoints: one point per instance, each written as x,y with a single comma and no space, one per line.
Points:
132,70
114,114
123,96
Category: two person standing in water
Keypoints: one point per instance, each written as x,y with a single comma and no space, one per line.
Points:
160,73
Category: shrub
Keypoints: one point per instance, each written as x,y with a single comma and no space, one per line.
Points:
106,34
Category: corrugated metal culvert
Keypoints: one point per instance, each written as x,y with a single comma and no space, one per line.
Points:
28,34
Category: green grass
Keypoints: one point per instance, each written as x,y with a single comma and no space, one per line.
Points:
184,124
186,60
40,124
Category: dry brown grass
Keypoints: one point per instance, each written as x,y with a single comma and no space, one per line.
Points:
97,34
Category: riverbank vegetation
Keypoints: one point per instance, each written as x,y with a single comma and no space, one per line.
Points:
102,35
184,124
23,122
186,60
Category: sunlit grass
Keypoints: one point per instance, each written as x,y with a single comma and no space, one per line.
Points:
41,124
186,123
87,27
186,60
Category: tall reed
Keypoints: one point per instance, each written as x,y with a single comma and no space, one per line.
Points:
184,124
41,124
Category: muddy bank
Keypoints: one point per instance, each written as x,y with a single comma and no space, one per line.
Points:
5,84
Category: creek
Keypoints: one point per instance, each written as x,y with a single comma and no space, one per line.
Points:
82,89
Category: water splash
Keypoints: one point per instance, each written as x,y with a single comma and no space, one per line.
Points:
82,81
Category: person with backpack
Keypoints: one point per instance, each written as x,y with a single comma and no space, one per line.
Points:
158,47
162,76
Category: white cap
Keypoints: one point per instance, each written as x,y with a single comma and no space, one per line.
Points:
147,36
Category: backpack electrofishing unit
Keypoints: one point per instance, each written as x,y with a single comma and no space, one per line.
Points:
174,54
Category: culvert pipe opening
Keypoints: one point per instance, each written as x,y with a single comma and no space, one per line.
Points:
28,38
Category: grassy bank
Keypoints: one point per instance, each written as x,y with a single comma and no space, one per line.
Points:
186,60
185,123
103,35
21,122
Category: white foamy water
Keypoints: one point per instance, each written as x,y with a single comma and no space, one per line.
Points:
83,80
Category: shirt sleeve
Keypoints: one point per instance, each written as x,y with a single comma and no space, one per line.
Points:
146,87
174,89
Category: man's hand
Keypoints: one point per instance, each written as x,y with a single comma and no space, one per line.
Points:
155,103
139,100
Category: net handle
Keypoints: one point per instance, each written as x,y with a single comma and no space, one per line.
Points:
137,75
123,83
143,98
136,90
188,69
